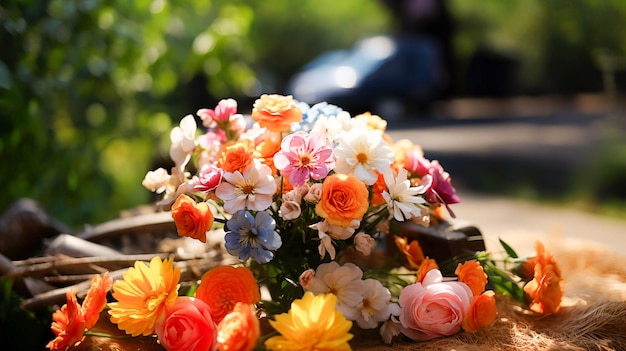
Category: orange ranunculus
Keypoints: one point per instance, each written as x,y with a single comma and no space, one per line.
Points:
344,199
237,156
373,122
276,112
222,287
266,150
428,264
192,219
68,324
546,288
481,313
377,190
239,330
96,298
472,274
412,252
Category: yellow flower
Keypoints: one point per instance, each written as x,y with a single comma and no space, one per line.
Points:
143,294
312,324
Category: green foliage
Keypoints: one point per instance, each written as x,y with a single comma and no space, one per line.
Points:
554,42
21,330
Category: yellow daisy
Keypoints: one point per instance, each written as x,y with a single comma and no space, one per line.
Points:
143,294
312,324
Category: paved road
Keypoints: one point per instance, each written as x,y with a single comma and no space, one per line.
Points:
546,147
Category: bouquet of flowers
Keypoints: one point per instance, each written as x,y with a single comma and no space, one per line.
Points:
303,196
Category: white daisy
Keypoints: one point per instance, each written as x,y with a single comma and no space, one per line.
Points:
362,153
402,199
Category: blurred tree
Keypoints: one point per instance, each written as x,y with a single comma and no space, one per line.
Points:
87,89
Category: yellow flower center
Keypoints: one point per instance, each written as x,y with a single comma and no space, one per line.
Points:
247,189
305,160
361,157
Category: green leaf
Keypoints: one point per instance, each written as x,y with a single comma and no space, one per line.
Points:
509,250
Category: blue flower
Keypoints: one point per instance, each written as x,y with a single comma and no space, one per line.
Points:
310,114
251,236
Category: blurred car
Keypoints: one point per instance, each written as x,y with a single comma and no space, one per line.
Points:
386,75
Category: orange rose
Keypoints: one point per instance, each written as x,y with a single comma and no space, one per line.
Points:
236,157
427,265
222,287
412,252
482,312
276,112
472,274
192,219
239,330
546,288
344,198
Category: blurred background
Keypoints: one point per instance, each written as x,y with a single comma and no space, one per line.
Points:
89,90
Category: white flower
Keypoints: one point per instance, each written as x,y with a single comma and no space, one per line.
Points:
326,243
156,180
252,190
392,327
342,281
339,232
183,140
402,199
364,243
374,306
331,126
289,210
314,194
362,153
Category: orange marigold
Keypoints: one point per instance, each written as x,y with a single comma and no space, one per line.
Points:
222,287
96,298
192,219
377,190
412,252
68,324
143,295
472,274
236,156
276,112
546,288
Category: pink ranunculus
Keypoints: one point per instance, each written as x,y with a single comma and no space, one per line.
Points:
224,109
208,178
187,326
433,308
303,156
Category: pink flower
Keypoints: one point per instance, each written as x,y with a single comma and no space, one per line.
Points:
304,156
208,178
439,189
224,109
433,308
187,326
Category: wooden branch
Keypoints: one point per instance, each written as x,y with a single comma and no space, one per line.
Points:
151,222
191,270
